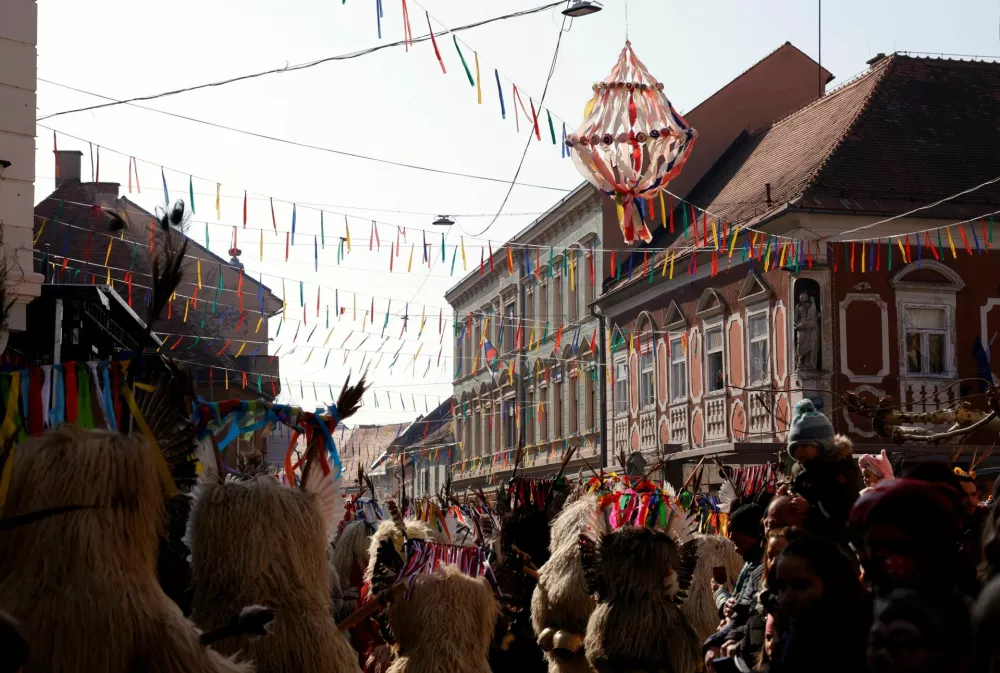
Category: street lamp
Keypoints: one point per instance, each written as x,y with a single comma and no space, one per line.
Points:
582,8
443,221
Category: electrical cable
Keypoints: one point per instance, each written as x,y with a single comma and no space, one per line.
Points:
520,165
310,64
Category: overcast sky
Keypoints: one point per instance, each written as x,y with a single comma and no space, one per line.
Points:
399,106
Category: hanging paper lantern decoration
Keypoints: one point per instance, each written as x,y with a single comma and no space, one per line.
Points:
632,142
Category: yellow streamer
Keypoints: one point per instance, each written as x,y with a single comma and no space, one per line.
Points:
107,255
199,274
464,267
715,233
226,374
327,340
107,281
347,234
260,321
663,212
309,356
187,305
409,265
39,234
673,256
8,428
863,246
732,243
161,463
784,248
951,244
240,351
479,88
902,250
218,201
572,273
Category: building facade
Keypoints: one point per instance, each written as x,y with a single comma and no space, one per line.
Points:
18,78
853,300
542,392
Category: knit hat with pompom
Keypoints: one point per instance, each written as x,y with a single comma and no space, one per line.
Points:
810,427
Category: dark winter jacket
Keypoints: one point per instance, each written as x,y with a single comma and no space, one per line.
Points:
744,613
831,486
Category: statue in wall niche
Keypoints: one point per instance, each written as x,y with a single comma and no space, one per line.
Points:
807,326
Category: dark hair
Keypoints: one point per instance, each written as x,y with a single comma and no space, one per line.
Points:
843,595
747,520
943,618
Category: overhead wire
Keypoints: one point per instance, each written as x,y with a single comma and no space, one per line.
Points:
309,64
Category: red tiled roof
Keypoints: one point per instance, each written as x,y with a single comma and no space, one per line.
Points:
904,134
362,444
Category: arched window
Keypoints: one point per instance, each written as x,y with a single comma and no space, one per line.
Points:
558,397
647,363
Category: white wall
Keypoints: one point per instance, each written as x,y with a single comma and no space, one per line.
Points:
18,72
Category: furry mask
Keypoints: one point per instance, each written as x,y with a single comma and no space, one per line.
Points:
89,576
256,541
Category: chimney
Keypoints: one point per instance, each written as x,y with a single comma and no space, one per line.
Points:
878,57
67,166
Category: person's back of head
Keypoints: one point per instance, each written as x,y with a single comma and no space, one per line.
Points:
922,632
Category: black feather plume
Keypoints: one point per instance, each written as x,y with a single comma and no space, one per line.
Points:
685,571
388,565
349,400
590,561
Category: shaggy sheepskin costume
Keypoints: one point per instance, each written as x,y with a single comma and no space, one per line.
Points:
700,608
445,626
637,625
561,603
256,541
350,558
82,584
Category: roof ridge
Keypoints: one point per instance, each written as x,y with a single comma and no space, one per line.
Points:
884,68
875,71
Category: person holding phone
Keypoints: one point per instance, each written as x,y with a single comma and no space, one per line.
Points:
737,608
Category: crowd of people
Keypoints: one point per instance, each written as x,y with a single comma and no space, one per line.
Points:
848,567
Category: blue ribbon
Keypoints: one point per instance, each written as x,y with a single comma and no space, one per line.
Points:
109,405
57,414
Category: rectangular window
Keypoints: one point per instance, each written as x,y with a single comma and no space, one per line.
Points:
574,404
678,370
715,377
477,346
543,417
467,349
427,481
591,401
529,310
487,430
584,277
557,401
509,325
759,363
531,414
543,309
621,387
509,427
558,315
926,339
573,292
647,376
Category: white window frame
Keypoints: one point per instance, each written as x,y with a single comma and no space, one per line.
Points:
621,384
507,412
530,432
509,327
751,316
677,356
647,398
721,350
949,345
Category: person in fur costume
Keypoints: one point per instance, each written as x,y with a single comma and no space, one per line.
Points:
443,623
349,559
372,638
82,584
445,626
561,604
638,575
256,541
826,474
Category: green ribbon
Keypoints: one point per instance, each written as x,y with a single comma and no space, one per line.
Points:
85,404
552,129
191,192
465,65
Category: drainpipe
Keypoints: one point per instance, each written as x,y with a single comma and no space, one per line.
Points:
601,320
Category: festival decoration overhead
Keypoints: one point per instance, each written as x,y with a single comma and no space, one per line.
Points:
632,142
